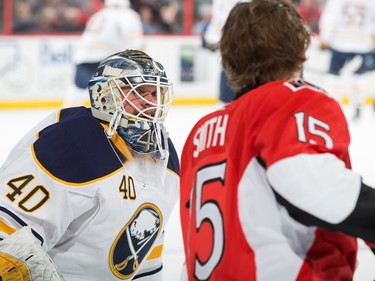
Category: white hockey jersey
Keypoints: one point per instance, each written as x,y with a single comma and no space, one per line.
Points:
98,210
348,25
109,31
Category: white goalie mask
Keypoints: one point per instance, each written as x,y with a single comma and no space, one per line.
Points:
132,92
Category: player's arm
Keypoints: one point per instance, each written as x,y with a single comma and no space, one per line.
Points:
308,166
337,203
23,258
358,223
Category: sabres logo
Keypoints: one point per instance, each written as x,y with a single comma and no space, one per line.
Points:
133,243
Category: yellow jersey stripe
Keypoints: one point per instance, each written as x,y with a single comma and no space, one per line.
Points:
156,252
6,228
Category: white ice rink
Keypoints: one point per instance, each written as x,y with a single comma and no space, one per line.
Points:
15,123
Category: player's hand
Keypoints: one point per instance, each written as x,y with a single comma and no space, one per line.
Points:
22,258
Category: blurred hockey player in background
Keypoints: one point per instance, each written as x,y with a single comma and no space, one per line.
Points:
347,29
267,190
310,10
211,38
114,28
87,193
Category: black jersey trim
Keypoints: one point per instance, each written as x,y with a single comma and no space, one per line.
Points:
360,223
148,273
173,161
21,222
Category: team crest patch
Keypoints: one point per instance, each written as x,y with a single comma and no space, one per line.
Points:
133,243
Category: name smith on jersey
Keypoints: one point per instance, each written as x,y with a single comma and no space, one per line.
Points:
210,134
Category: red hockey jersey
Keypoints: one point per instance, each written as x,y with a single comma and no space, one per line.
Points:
266,184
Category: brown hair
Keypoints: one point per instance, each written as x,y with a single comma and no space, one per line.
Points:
262,41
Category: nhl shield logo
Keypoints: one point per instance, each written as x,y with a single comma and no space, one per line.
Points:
133,243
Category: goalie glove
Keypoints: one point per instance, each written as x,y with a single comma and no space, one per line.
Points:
23,259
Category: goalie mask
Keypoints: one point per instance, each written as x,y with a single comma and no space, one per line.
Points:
132,92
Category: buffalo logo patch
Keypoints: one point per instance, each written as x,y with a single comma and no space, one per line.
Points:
133,243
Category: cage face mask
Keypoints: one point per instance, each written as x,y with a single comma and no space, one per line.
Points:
132,92
145,137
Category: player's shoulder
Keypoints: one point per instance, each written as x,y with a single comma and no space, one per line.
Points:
311,90
299,84
75,149
76,120
286,97
309,99
112,13
312,95
132,15
280,91
292,88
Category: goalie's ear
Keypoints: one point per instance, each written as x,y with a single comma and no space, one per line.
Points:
23,258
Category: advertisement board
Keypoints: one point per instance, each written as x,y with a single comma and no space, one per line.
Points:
39,70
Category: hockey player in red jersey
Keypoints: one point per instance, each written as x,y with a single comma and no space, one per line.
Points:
267,190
